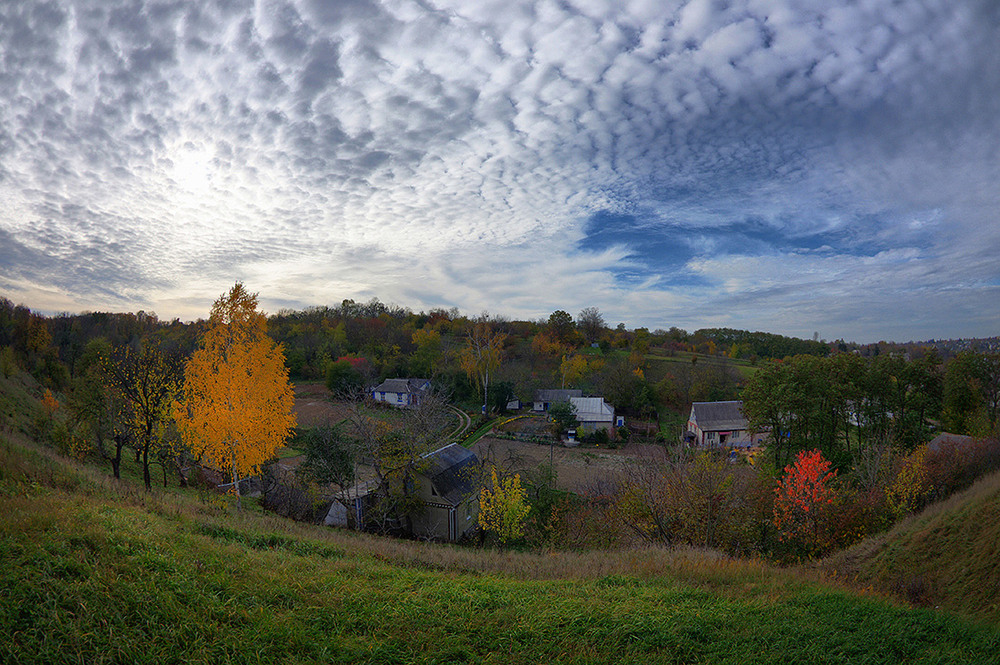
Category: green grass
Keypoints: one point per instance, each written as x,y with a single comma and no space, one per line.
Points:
944,556
93,570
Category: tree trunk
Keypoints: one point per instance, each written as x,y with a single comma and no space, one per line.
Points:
236,485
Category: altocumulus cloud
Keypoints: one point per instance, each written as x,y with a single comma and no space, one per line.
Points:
777,165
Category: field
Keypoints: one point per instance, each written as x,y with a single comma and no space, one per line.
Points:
97,571
577,469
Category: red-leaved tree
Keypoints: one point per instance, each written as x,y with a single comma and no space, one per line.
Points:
803,500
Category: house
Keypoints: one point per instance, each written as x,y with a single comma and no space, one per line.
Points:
445,484
593,413
546,398
401,392
719,424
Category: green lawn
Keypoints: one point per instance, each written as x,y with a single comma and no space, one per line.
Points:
96,571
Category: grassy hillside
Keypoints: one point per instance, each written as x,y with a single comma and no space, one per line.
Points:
946,556
93,570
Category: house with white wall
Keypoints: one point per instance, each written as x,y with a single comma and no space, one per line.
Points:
401,392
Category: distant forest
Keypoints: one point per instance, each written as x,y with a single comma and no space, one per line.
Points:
648,375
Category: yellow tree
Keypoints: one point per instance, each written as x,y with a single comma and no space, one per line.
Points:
572,369
236,409
503,507
482,354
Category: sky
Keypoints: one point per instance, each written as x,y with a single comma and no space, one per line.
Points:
795,167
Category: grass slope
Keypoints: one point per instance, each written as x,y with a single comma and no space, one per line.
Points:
94,570
945,556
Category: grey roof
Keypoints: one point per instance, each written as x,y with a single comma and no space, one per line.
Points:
946,439
402,386
719,416
592,410
452,470
556,395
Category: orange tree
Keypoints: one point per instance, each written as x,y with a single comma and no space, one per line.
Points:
803,500
236,407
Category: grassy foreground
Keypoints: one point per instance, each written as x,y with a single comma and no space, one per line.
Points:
944,556
93,570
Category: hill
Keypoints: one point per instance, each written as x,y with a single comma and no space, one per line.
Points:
945,556
95,570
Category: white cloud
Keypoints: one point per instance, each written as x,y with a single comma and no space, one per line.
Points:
323,147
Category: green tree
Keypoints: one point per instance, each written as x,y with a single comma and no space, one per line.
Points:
144,382
563,415
561,326
329,456
343,379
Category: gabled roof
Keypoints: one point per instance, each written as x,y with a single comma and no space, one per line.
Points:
402,386
719,416
452,471
557,395
592,409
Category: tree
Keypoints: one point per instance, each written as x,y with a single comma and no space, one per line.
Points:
144,383
482,354
591,322
802,498
572,369
563,414
329,456
561,326
426,357
237,402
503,507
343,379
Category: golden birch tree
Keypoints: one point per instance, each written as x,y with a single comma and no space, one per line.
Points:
482,354
236,409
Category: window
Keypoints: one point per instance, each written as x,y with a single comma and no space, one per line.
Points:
399,397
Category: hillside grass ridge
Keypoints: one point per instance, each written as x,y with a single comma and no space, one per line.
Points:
96,570
944,556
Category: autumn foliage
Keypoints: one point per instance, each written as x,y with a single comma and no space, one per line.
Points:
503,507
802,500
236,409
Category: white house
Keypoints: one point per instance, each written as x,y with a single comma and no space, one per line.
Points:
719,424
594,413
401,392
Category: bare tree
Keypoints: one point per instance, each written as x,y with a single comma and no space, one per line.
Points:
591,323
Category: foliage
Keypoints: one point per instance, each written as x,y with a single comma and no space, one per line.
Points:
329,455
143,382
503,507
802,500
561,326
343,379
572,369
910,487
563,415
482,354
237,403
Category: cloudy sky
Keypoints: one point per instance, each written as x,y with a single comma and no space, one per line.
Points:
778,165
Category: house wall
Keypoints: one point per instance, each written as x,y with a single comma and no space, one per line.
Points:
440,520
394,399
